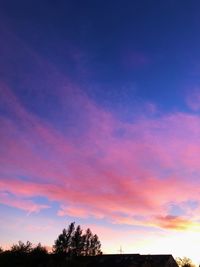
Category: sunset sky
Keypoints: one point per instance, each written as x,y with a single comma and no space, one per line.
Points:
100,123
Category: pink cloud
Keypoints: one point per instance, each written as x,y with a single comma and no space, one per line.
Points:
174,222
155,162
73,212
26,205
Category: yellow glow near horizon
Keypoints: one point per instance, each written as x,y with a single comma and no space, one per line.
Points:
179,244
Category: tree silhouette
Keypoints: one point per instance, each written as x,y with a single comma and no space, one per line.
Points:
22,248
78,242
73,243
95,246
87,242
39,250
64,242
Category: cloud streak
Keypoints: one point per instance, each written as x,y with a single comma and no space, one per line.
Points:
99,165
59,144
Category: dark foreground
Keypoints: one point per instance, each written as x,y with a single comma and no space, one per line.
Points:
53,260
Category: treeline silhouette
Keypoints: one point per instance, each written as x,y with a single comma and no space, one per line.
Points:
68,250
73,242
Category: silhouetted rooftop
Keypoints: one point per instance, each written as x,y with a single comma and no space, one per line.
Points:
131,260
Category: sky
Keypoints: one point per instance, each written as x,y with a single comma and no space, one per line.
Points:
100,123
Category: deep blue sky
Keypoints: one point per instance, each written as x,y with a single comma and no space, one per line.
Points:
116,49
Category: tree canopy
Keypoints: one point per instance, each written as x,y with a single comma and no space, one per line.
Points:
22,247
74,243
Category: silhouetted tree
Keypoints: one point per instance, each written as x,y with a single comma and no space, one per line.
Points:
87,242
95,246
60,243
184,262
64,242
39,250
92,245
73,243
1,250
38,255
22,247
78,242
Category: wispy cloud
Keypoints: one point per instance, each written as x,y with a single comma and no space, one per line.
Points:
24,204
67,148
100,166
